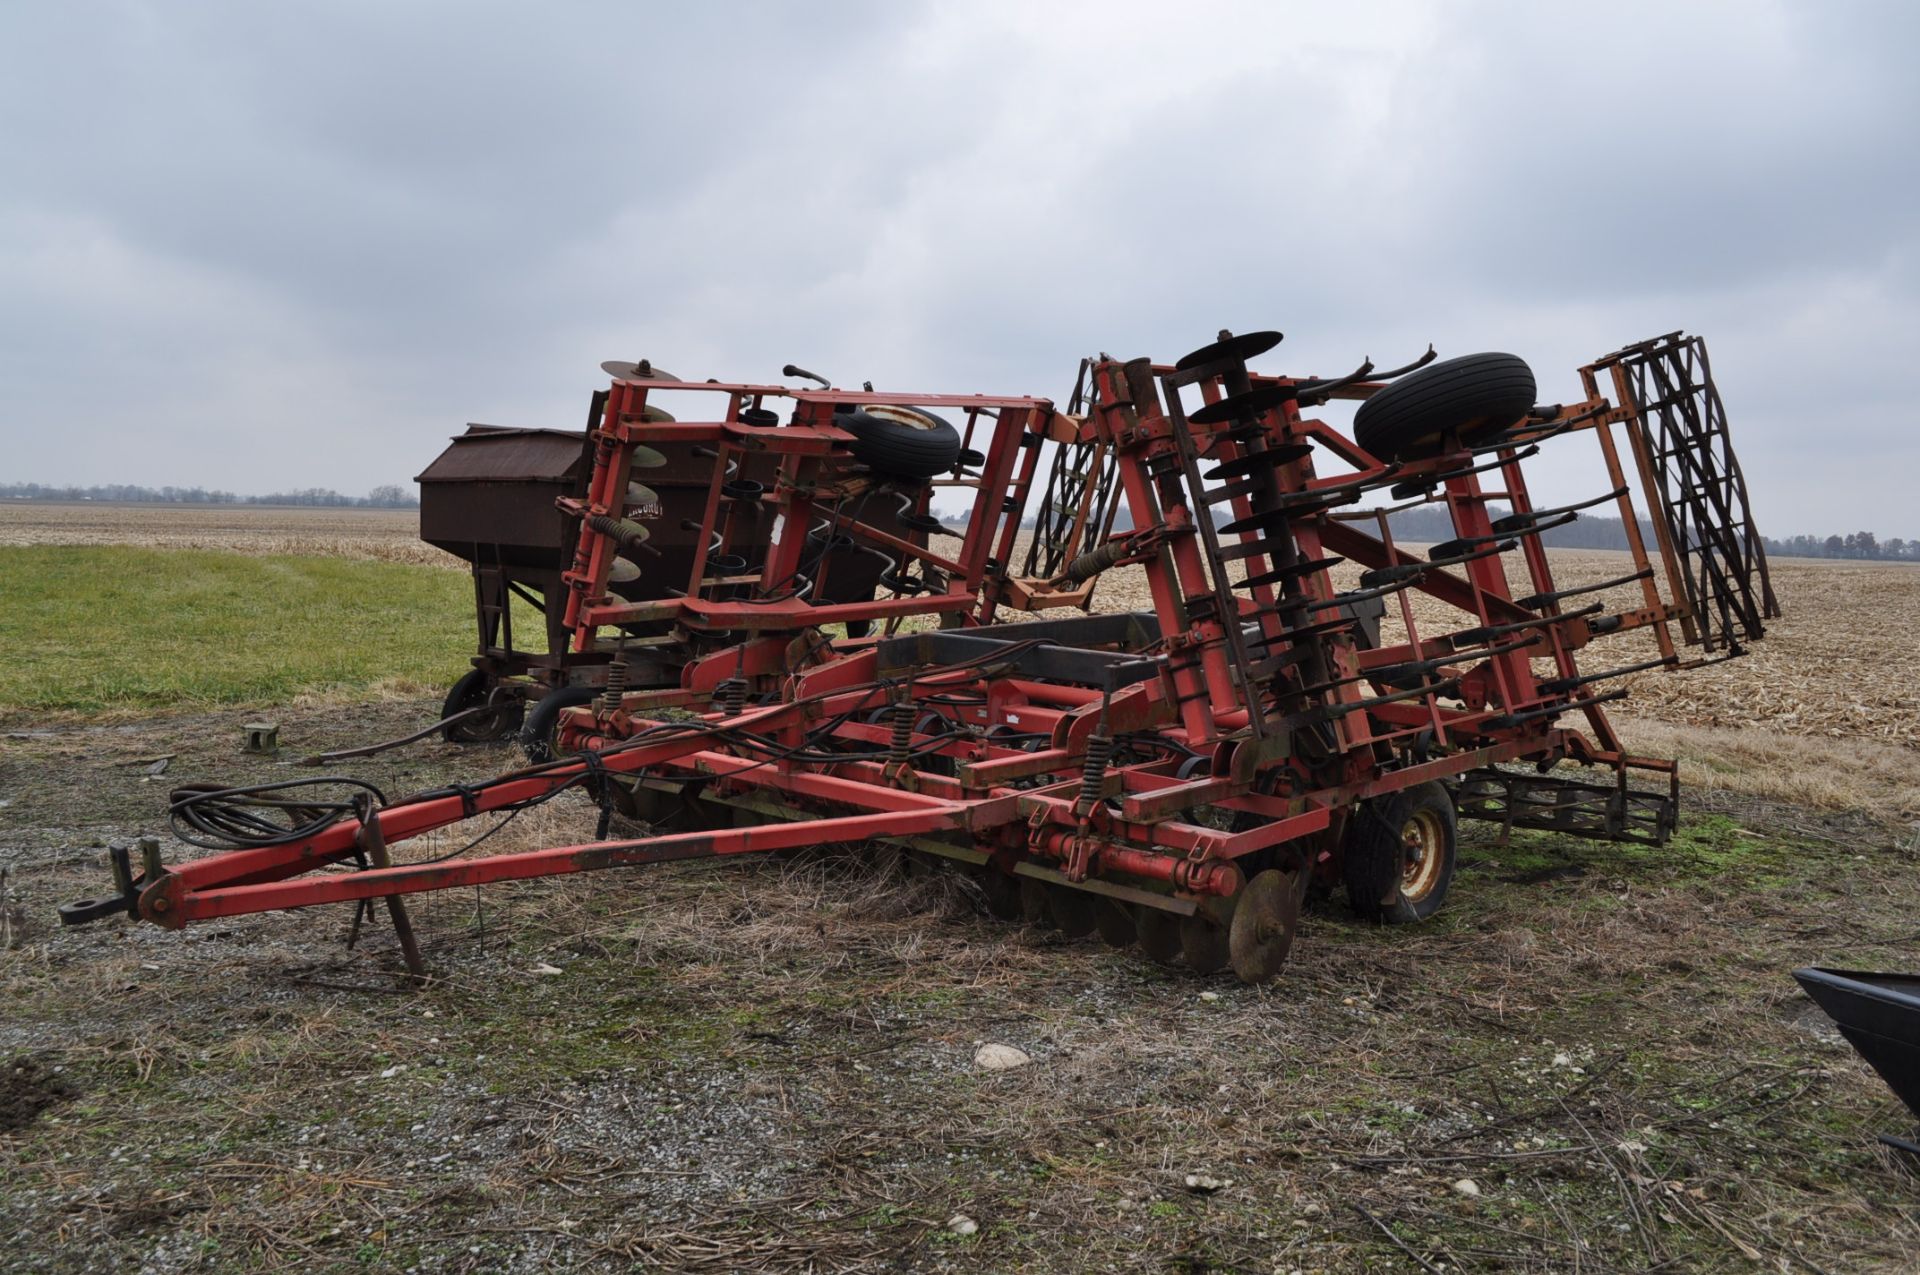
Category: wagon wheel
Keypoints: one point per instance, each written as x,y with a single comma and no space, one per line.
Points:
1265,919
1203,941
539,737
1400,855
1075,911
1159,934
472,691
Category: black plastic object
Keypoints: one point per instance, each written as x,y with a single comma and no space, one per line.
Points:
1879,1014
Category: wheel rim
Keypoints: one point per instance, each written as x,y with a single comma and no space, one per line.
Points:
1423,852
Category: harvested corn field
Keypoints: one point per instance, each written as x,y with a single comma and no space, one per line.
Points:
374,535
1842,663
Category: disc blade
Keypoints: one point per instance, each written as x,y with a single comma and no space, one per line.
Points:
623,572
1248,345
1035,907
1002,896
1114,922
1250,403
624,370
1204,944
1158,933
1075,911
1271,458
645,457
1265,919
641,494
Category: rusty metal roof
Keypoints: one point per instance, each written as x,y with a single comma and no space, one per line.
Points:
494,453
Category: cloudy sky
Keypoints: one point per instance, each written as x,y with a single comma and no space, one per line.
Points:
258,246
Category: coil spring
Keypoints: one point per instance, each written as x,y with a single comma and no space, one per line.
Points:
616,689
900,747
731,695
625,532
1093,772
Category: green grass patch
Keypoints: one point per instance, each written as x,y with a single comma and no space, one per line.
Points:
96,629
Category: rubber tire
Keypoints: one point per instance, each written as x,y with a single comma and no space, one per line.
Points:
1471,397
899,450
536,737
1372,863
471,691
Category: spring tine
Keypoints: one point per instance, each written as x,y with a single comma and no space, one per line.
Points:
1429,482
1481,634
1561,685
1552,710
1330,711
1388,672
1291,571
1314,393
1464,554
1533,602
1510,438
1418,363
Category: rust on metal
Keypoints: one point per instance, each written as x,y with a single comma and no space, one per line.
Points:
1174,777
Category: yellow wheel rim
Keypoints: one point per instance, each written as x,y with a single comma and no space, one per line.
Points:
1423,852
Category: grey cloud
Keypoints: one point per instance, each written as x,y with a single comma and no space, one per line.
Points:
310,241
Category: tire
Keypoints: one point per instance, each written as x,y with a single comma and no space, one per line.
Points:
1470,398
537,735
1386,882
471,691
901,442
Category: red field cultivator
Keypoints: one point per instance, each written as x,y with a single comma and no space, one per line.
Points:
1175,777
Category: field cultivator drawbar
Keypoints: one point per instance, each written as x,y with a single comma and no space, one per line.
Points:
1174,776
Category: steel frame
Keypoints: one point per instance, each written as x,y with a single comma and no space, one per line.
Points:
1156,759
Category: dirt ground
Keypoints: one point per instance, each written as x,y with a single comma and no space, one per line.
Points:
1595,1059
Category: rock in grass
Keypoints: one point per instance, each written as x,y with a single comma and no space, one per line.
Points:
1467,1187
1000,1058
961,1224
1206,1183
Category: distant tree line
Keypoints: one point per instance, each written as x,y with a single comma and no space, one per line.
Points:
1861,544
386,496
1431,524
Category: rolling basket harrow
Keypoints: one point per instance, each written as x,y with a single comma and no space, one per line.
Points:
1175,777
